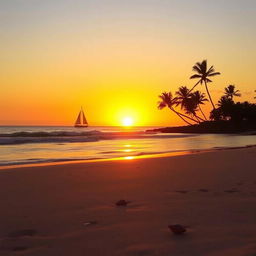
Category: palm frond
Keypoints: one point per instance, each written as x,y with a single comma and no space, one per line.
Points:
210,70
195,76
161,105
204,66
237,93
214,74
197,69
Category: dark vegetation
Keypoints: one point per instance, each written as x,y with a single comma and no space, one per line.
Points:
227,116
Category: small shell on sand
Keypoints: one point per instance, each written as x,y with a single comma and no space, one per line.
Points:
233,190
203,190
182,191
177,229
19,248
23,232
93,222
122,203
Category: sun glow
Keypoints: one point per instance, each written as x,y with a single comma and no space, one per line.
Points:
129,157
127,121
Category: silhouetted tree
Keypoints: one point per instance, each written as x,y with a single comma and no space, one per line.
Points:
191,108
203,74
188,102
226,106
215,114
230,92
167,100
182,96
229,110
200,99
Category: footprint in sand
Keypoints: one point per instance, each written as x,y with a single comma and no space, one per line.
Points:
89,223
21,233
203,190
122,203
182,191
231,191
19,248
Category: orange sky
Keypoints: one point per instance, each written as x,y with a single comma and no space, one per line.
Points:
115,59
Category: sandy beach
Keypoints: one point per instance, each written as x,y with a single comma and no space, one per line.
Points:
70,209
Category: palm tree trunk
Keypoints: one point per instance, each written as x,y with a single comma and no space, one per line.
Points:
194,86
178,114
187,117
184,119
199,118
182,116
202,112
206,87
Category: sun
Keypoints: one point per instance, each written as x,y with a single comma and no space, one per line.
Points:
127,121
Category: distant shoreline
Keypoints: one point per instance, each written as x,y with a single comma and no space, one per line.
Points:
212,127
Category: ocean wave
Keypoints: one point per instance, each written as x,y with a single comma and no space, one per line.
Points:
45,161
25,140
32,161
50,134
72,136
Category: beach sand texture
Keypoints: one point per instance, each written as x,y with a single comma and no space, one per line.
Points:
70,209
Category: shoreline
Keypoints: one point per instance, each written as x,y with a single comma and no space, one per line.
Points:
45,210
125,158
213,127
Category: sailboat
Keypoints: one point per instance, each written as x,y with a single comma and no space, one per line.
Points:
81,120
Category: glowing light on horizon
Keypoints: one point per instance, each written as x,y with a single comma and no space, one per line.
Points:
129,157
127,150
127,121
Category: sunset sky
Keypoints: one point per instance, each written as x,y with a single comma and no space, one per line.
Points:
114,57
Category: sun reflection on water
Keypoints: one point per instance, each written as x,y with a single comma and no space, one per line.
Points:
127,150
129,157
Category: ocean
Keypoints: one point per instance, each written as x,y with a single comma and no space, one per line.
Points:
46,144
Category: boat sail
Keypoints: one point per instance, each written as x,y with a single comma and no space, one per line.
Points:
81,120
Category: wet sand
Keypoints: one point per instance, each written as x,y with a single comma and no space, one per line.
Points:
70,209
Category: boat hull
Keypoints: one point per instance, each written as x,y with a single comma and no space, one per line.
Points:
80,126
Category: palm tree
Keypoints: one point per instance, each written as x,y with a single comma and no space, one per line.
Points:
216,114
182,96
226,106
203,74
167,100
230,92
200,99
191,108
185,100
